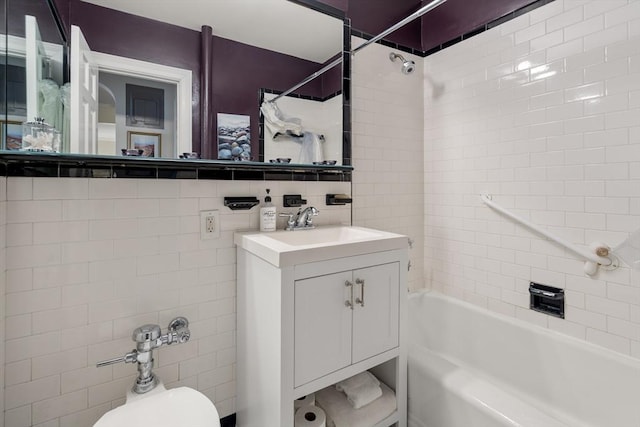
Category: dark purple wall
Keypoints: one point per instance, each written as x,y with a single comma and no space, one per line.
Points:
62,6
132,36
17,9
332,80
457,17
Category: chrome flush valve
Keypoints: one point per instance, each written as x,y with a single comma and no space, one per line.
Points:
147,338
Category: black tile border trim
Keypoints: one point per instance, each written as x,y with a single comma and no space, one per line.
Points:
508,17
228,421
264,91
84,166
392,45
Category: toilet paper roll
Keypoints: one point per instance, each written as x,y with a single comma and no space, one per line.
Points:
310,416
309,399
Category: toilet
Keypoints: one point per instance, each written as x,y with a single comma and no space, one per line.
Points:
160,407
148,402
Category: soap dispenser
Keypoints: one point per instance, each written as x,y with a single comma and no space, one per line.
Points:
268,214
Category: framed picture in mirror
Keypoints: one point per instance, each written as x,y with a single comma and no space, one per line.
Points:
149,143
234,137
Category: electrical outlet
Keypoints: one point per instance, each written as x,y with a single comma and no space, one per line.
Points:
209,225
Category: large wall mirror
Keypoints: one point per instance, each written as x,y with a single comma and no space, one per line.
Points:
116,75
33,70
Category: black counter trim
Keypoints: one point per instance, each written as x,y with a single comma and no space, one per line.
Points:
85,166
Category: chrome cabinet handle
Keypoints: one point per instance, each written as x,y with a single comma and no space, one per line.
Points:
361,299
349,302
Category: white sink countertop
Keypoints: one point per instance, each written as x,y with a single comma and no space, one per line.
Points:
285,248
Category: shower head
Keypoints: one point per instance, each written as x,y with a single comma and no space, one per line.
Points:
407,66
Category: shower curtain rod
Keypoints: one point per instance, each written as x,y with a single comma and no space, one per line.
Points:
592,257
308,79
414,15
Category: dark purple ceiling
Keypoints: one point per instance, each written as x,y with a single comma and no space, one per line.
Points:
447,22
457,17
375,16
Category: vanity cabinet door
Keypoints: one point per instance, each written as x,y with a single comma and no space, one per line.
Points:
375,316
322,329
344,318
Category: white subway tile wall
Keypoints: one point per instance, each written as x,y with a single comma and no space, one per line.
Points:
542,112
89,260
387,135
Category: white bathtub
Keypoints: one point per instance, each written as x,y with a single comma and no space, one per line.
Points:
469,367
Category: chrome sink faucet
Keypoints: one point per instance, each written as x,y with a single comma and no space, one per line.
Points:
303,220
305,217
147,338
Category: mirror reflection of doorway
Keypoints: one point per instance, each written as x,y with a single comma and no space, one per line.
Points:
106,121
89,68
113,126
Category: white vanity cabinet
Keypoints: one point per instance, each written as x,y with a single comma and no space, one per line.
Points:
309,318
344,318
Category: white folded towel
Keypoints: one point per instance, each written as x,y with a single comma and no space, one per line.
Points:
361,379
363,395
278,122
361,389
340,413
